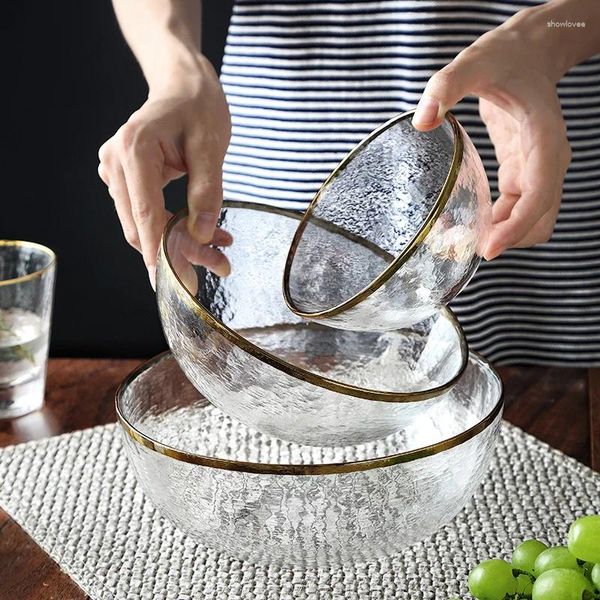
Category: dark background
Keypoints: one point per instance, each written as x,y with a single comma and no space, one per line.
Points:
69,83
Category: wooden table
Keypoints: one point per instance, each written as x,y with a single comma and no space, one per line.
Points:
559,406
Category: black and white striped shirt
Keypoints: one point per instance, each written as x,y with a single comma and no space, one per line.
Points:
306,80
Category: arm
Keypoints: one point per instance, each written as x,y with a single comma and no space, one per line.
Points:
183,127
164,36
514,70
564,47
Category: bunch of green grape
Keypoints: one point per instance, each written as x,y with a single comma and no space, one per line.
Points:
570,572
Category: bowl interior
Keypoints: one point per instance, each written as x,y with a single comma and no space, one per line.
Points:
250,306
161,405
367,213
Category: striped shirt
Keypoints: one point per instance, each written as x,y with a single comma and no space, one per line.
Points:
306,80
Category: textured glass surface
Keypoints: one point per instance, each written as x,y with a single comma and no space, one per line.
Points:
274,401
309,520
368,215
26,293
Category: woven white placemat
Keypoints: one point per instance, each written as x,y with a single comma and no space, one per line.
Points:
75,495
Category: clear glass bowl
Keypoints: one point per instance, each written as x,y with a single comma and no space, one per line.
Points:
395,232
261,499
248,354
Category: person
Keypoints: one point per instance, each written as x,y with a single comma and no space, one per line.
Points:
303,81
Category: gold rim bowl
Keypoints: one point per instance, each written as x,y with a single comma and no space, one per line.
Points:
491,411
464,158
172,279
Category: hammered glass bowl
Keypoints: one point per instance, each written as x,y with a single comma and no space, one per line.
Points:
249,355
395,232
259,498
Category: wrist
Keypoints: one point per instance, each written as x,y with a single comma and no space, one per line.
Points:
560,33
179,71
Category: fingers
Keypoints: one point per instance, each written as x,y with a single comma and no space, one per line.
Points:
187,252
183,268
222,238
142,167
212,258
205,188
519,227
206,255
522,112
503,130
541,232
503,207
170,174
448,86
509,185
135,177
133,169
509,174
167,137
533,214
429,113
118,192
505,235
112,175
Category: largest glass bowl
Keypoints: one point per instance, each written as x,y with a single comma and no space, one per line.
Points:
252,357
262,499
395,232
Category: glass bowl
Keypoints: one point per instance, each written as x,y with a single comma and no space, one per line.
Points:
247,353
258,498
395,232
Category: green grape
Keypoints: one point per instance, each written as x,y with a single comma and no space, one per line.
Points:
555,558
586,569
561,584
584,538
492,580
524,585
595,576
523,558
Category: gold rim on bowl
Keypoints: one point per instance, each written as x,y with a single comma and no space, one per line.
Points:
295,469
35,274
282,365
409,249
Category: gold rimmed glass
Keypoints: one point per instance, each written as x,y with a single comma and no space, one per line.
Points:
246,352
263,499
394,233
26,293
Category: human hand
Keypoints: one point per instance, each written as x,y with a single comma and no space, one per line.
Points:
183,127
519,105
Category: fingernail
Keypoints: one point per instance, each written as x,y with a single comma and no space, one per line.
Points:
202,226
492,253
427,111
222,238
222,270
152,276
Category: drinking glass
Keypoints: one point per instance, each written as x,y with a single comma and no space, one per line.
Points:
26,293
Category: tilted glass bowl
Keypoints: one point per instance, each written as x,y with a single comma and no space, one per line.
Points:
247,353
395,232
261,499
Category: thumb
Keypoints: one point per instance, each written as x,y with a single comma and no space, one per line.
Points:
205,191
443,90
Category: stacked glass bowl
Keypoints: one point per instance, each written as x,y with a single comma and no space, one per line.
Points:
341,418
